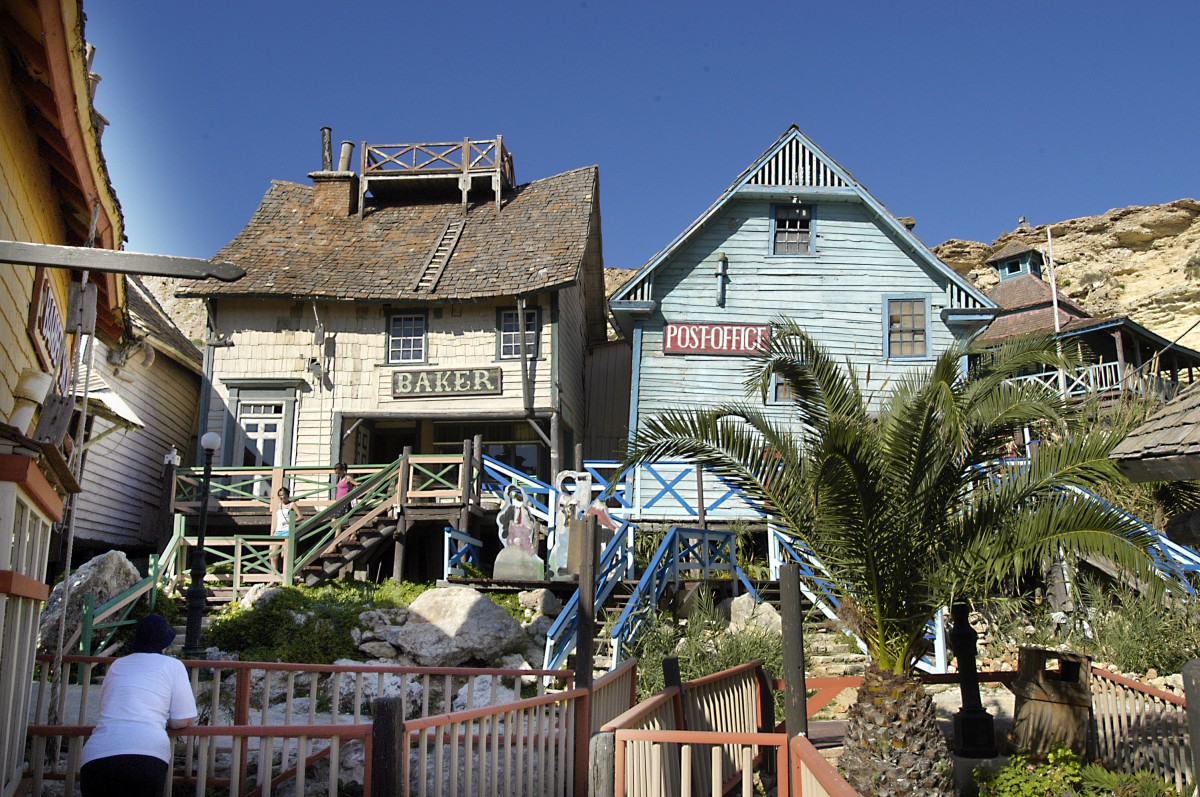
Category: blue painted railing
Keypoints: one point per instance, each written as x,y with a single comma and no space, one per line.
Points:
681,550
1172,560
615,566
460,549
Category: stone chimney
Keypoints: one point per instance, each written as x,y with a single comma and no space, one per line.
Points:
335,193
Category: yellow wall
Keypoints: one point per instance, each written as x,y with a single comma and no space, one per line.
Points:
28,212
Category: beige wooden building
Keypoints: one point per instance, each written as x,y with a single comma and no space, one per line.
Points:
418,301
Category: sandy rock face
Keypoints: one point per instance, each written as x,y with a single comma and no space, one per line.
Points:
1141,261
452,625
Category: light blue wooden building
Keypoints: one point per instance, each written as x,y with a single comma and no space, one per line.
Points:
795,235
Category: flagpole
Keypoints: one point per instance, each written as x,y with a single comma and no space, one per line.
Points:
1062,376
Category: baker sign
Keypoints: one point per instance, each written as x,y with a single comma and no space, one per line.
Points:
733,339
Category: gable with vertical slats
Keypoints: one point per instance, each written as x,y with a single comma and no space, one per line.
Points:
796,165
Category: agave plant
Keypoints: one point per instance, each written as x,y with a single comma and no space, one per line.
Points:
900,496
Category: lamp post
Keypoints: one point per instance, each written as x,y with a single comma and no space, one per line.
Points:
197,596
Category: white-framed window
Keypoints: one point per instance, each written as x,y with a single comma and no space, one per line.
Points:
406,338
510,334
906,327
791,229
780,391
261,433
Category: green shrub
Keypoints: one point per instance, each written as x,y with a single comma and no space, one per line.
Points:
304,625
1064,775
703,646
1056,777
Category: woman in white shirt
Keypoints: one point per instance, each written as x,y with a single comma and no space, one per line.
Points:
143,694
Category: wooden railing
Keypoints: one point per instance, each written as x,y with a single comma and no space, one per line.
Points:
1140,727
712,730
453,157
297,748
612,695
526,747
813,775
249,702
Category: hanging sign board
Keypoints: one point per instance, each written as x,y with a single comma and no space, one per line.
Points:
726,339
446,382
48,331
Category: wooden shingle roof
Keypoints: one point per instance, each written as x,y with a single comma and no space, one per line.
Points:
1167,445
536,242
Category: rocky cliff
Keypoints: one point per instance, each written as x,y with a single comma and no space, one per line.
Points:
1140,262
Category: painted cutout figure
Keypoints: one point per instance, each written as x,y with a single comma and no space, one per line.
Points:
518,533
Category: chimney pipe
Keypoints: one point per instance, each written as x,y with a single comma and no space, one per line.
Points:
344,157
326,149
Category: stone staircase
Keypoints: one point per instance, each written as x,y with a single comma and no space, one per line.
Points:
832,654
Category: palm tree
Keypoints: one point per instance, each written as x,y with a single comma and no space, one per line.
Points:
898,495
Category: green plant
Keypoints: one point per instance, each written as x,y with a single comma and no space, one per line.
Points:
1064,775
1134,630
703,646
1022,777
875,483
300,624
1099,782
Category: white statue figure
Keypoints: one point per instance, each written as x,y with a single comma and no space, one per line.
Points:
518,532
572,504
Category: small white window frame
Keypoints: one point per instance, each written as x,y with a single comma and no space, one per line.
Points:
396,354
887,338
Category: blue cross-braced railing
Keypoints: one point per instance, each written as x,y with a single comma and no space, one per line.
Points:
816,585
685,550
671,490
460,549
616,564
610,480
497,477
1173,561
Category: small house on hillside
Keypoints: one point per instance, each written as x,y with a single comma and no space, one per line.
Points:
1123,356
424,300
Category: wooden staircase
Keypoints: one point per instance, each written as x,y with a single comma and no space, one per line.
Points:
349,556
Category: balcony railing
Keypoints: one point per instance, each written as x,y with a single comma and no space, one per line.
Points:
1104,378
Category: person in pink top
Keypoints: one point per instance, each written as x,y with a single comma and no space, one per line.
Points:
345,483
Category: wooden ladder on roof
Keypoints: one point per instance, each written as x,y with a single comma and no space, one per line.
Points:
439,256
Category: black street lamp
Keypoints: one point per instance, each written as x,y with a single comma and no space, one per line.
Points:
197,596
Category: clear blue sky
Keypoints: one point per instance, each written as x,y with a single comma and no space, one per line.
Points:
964,115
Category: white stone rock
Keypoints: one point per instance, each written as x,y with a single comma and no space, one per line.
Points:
103,577
449,626
378,650
540,601
259,595
745,613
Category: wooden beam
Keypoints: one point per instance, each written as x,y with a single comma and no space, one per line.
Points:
27,254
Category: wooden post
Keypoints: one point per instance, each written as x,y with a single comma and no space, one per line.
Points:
477,469
700,496
795,690
241,716
585,642
1191,691
1120,341
579,456
464,488
402,519
602,765
387,733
